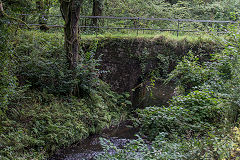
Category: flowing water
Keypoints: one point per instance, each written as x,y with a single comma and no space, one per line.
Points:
89,148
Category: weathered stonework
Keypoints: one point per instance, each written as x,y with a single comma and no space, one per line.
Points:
128,62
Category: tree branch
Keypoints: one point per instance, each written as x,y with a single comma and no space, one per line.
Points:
4,14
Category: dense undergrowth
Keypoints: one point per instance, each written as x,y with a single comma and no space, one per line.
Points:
45,106
41,115
200,121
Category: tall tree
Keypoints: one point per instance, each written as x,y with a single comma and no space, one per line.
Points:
97,10
70,10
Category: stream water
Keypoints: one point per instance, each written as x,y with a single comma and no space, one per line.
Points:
89,148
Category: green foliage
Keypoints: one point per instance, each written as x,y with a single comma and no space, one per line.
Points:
172,9
44,123
195,112
195,125
7,79
18,6
203,106
42,64
210,147
210,98
230,60
136,149
39,119
42,114
189,73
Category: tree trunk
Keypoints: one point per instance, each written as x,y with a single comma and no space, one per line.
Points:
97,10
70,12
1,9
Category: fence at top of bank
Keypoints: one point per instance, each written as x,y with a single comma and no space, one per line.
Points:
133,23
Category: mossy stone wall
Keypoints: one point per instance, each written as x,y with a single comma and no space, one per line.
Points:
126,63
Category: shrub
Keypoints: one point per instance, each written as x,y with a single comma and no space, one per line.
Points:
42,65
189,73
196,112
211,146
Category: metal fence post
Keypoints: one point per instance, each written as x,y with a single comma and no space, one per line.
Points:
178,29
96,28
137,25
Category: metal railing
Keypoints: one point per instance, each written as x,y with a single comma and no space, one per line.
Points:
138,23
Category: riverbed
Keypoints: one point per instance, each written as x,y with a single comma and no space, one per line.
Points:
90,147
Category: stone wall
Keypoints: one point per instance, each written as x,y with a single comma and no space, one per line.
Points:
128,63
